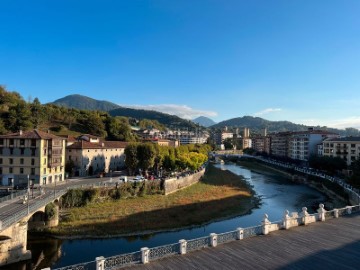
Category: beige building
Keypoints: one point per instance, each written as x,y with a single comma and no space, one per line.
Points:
90,155
347,148
33,157
280,144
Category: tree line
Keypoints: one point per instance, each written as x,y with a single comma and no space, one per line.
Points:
16,114
162,159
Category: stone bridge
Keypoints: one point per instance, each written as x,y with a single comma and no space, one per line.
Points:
16,217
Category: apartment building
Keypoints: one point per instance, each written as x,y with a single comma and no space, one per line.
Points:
90,155
280,144
303,144
31,157
347,148
261,144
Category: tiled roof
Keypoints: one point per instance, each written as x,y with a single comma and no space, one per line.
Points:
31,134
102,145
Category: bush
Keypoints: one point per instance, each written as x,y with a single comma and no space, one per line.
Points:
50,211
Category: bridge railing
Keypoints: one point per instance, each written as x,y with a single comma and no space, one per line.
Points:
34,206
146,255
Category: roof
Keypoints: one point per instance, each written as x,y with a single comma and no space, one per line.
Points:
344,139
101,145
68,138
31,134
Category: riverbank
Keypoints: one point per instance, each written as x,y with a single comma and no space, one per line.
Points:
335,198
219,195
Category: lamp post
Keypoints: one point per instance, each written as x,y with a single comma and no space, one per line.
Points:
28,193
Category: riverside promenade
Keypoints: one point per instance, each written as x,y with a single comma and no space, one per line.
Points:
333,244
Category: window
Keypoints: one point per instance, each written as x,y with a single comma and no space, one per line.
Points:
44,151
32,161
11,161
21,170
33,152
21,161
352,145
10,170
22,151
1,150
69,157
44,161
32,171
11,151
33,142
44,171
11,141
0,160
22,142
0,170
1,141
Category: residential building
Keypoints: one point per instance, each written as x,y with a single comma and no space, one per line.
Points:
347,148
303,144
90,155
31,157
280,144
261,144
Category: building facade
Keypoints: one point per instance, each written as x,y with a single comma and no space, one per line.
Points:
31,157
89,155
347,148
303,144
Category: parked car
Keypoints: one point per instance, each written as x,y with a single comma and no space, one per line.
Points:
123,179
139,178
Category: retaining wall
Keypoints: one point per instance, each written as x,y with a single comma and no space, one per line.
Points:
174,184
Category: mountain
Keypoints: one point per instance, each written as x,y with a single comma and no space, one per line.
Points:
171,121
85,103
204,121
256,124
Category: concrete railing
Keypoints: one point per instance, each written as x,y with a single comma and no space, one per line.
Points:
146,255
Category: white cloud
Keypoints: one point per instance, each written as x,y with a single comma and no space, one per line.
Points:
353,121
267,111
182,111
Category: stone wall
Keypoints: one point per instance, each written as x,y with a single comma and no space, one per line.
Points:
174,184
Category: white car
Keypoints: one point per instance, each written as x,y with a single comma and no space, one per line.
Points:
139,178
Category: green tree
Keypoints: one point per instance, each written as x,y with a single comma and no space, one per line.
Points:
146,156
131,160
118,128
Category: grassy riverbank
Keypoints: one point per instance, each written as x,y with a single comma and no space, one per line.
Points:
218,195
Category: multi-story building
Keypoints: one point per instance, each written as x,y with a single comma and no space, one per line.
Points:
31,157
261,144
347,148
280,144
303,144
90,155
222,135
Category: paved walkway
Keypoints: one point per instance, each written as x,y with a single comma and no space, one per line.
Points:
333,244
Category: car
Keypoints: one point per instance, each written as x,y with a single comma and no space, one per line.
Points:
123,179
139,178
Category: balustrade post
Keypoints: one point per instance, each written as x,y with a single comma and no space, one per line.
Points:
336,213
240,234
286,220
213,239
145,255
265,224
321,212
348,210
304,215
100,263
183,245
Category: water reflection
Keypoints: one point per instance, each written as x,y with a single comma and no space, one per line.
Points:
277,194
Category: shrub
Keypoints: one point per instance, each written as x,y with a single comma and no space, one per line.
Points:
50,211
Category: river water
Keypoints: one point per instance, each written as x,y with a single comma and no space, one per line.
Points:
276,193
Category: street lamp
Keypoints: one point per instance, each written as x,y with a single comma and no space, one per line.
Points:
28,193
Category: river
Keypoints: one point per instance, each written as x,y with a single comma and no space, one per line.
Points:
276,193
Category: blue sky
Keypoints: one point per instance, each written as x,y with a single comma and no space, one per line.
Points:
280,60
